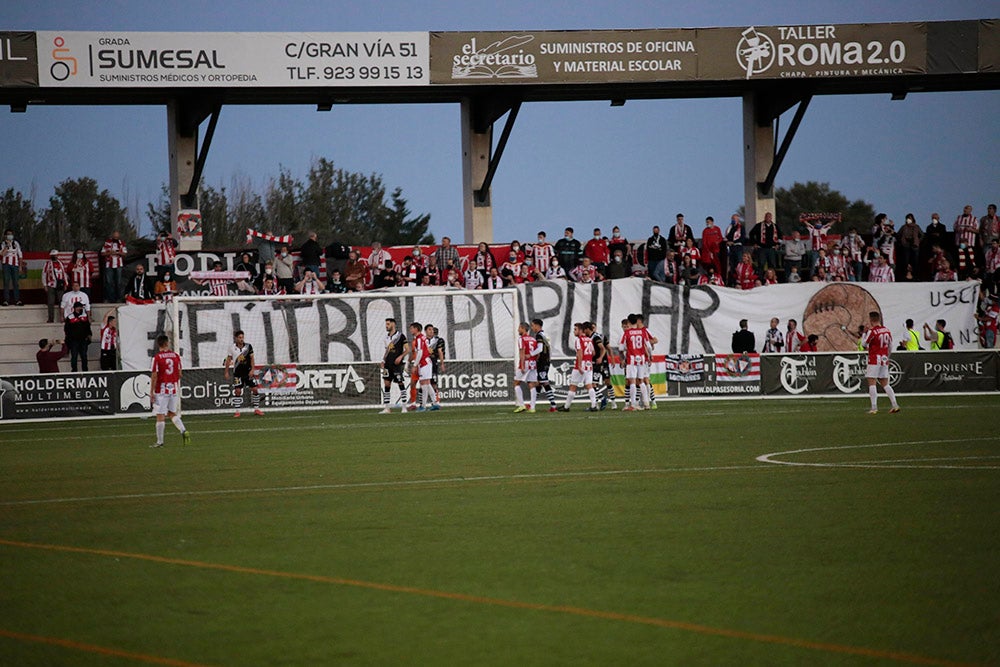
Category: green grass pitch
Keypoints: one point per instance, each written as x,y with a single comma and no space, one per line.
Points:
473,536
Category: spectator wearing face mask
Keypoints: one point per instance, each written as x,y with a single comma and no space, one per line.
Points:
419,259
855,247
542,253
597,251
511,267
568,250
795,251
965,260
711,245
81,270
165,288
617,269
556,271
13,264
267,272
908,240
284,269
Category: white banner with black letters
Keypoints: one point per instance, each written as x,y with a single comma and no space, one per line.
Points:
685,320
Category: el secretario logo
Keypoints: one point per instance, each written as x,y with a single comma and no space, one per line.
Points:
502,59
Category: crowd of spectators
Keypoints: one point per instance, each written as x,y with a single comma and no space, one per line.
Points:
765,254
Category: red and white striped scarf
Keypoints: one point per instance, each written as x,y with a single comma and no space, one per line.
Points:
280,240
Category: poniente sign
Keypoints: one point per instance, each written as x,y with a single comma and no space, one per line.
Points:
411,66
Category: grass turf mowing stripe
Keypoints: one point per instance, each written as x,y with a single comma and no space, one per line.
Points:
560,476
825,647
99,650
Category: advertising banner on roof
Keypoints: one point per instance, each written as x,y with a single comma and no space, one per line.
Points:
705,54
206,59
18,60
585,56
813,51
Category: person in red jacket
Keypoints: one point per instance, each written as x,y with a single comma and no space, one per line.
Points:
711,244
597,250
48,359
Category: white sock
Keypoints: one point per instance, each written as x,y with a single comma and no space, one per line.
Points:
533,394
891,393
176,419
569,397
873,394
425,394
160,428
632,395
593,397
518,395
645,394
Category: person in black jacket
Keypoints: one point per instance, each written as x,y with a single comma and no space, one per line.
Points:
656,252
679,234
743,340
139,288
78,335
568,251
311,254
336,257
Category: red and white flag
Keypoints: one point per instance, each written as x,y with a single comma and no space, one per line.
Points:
737,367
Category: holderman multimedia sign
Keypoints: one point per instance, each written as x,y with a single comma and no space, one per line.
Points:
359,385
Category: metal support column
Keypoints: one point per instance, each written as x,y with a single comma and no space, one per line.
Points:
186,163
758,155
480,162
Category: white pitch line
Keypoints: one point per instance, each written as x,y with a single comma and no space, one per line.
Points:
263,427
924,460
383,484
772,457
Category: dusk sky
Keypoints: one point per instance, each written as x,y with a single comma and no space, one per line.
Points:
582,164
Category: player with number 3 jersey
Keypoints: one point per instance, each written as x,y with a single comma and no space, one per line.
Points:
165,383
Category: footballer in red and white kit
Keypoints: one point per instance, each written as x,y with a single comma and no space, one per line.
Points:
877,339
420,357
527,360
583,369
636,343
633,341
166,384
528,349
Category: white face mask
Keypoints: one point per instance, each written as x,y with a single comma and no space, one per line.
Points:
284,254
416,253
10,237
